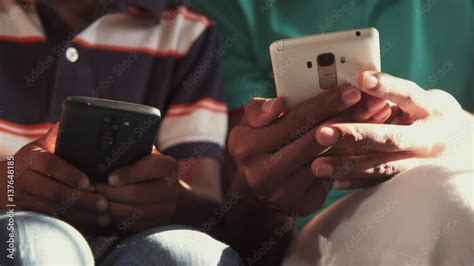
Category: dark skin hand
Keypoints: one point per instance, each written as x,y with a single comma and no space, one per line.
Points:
273,155
156,190
152,191
47,184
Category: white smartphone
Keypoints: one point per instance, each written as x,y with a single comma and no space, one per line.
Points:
304,67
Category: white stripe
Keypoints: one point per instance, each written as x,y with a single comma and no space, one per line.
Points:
199,126
177,109
24,131
16,22
174,34
10,144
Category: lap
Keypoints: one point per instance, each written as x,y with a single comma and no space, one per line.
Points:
421,217
172,245
38,239
44,240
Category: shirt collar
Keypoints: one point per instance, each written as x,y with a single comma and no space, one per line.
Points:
154,7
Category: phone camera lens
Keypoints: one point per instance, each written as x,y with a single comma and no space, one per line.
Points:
106,140
326,59
357,33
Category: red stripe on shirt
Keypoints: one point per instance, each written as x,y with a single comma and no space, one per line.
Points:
21,39
118,48
45,126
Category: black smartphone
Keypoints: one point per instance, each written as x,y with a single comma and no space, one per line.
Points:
98,136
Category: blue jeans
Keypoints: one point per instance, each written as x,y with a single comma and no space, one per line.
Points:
42,240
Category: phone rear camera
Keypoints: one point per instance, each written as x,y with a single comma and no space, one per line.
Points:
106,139
357,33
326,59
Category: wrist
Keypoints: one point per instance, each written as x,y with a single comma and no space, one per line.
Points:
253,226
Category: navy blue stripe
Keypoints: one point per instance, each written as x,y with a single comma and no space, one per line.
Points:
195,150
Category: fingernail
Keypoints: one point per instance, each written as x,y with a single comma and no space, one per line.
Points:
350,96
371,81
83,183
102,205
114,180
321,169
103,220
327,136
267,105
375,106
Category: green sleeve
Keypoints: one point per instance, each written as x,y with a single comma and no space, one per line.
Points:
244,76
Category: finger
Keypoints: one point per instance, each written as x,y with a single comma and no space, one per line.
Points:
49,189
302,186
260,112
369,107
411,98
386,138
49,164
48,142
381,116
157,212
63,211
155,166
296,123
150,192
366,166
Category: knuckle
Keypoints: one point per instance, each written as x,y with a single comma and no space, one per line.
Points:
256,181
235,141
241,153
352,134
385,169
394,140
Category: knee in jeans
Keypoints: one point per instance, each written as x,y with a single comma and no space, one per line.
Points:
173,245
45,240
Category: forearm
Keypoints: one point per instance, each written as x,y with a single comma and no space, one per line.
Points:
196,210
200,196
260,234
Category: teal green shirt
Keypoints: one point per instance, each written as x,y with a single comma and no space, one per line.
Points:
430,42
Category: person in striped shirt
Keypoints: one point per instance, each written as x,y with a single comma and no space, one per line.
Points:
157,53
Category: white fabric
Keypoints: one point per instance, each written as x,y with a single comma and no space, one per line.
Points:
424,216
175,35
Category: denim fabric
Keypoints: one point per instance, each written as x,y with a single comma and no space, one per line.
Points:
43,240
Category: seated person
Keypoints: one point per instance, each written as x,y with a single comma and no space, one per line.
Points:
426,143
146,52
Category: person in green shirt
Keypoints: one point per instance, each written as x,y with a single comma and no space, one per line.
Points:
429,43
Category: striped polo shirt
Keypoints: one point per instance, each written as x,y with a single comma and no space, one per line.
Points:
157,53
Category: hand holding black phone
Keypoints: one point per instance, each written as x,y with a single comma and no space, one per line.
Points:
98,136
